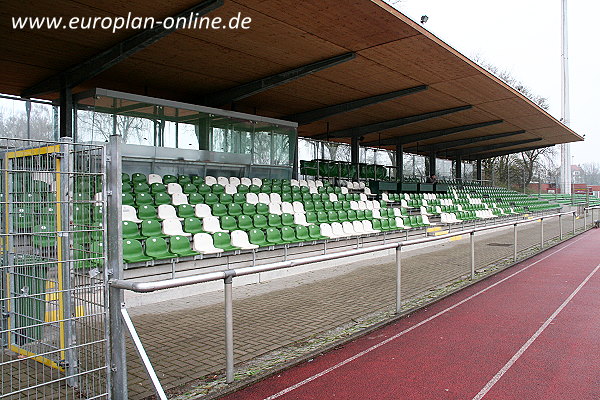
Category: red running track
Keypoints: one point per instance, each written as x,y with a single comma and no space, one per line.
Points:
530,332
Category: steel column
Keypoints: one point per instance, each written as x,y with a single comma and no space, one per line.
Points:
228,329
114,269
66,111
398,279
479,175
472,255
399,161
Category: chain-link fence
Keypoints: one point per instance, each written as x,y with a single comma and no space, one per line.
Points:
52,293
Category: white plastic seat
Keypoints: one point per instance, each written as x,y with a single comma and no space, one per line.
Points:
246,181
362,205
385,197
400,223
222,180
167,211
179,198
318,183
376,205
174,188
403,203
252,198
361,185
212,225
363,197
298,207
313,190
275,198
240,239
203,244
129,213
172,227
355,185
333,197
349,185
154,178
368,226
303,182
230,189
210,180
348,229
294,182
353,205
275,208
311,183
424,211
426,220
327,231
397,212
264,198
376,214
367,191
235,181
358,228
203,210
338,229
369,204
287,208
257,181
344,190
300,219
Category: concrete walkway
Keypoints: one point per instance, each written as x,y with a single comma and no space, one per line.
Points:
185,338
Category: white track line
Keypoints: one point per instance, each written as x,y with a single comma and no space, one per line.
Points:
522,350
396,336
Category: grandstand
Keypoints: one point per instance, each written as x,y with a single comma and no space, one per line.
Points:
158,168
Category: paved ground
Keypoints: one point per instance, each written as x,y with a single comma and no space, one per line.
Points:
184,338
529,332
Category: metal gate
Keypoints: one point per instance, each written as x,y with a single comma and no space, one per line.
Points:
53,295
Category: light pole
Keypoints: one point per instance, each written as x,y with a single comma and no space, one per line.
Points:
565,149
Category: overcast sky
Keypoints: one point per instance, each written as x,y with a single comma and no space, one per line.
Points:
523,37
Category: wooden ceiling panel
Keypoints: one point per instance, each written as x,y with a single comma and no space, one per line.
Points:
474,89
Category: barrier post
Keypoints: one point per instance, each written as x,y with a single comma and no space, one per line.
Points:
472,255
560,229
541,233
398,278
228,329
515,245
573,223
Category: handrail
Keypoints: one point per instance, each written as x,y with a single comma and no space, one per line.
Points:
228,275
146,287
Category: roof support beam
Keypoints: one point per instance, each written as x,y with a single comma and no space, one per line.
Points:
325,112
478,149
483,156
99,63
260,85
432,134
463,142
390,124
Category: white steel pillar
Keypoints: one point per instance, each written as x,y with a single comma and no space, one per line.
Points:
565,149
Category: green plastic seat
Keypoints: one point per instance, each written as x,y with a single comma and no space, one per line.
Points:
211,198
43,236
287,219
262,209
322,217
288,234
368,214
225,198
203,188
360,215
287,197
274,236
346,205
185,211
131,230
189,188
161,198
184,180
275,221
319,206
245,222
222,240
141,187
217,189
234,210
254,189
157,248
392,224
169,179
242,189
152,228
125,177
138,178
309,206
181,246
249,209
229,223
333,216
143,199
82,214
302,233
376,223
195,198
328,205
133,251
127,199
147,212
266,188
239,198
260,221
352,215
315,232
311,217
306,197
343,216
257,237
219,210
126,187
385,224
197,180
296,197
158,188
338,205
192,225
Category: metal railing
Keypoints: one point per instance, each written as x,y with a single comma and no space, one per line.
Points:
228,275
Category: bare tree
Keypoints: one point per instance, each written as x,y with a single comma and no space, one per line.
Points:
591,173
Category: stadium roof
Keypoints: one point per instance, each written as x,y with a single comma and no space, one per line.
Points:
341,68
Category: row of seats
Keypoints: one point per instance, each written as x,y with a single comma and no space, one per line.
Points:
211,180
